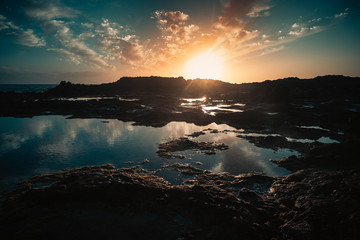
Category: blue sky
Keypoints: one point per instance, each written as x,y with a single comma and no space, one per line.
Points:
101,41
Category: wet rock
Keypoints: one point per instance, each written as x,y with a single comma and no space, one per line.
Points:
276,142
186,169
145,161
333,156
182,144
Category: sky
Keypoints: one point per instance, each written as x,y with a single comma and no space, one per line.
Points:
237,41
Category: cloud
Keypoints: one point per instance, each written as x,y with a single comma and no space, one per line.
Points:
68,46
87,25
73,48
342,14
48,11
236,9
299,31
178,38
231,27
28,38
131,52
171,17
67,54
260,11
174,27
23,37
115,42
272,50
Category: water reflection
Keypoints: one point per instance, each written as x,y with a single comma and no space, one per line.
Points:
244,157
29,146
212,106
97,99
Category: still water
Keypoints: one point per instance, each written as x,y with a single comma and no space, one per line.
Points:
43,144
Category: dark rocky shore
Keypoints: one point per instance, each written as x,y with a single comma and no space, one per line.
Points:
318,200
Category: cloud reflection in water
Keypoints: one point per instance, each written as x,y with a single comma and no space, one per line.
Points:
43,144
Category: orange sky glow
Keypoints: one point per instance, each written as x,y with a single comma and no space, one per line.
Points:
230,40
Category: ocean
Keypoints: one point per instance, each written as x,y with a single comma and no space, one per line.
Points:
21,88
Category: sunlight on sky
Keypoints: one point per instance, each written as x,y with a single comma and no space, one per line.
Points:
47,41
205,65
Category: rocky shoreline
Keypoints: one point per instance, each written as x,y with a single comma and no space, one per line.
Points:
318,200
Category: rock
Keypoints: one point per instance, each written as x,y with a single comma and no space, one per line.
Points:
102,201
317,204
195,134
145,161
333,156
186,169
183,144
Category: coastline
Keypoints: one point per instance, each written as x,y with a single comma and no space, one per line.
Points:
318,200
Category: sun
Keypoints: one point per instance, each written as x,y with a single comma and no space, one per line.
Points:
207,65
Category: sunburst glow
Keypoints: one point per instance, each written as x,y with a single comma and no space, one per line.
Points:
205,65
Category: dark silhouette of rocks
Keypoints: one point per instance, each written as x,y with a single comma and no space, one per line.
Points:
142,86
280,90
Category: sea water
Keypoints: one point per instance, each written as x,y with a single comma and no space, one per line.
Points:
45,144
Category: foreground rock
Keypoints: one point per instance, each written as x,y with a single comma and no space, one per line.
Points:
108,203
317,204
